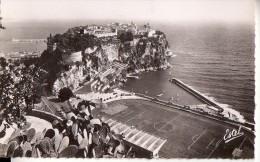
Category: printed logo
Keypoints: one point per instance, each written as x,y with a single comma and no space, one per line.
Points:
232,134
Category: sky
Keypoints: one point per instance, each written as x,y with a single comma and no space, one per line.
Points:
149,10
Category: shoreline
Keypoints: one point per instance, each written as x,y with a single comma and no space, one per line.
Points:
119,94
227,113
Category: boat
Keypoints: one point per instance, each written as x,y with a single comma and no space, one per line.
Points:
133,77
169,53
159,95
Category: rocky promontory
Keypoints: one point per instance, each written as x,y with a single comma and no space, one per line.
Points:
104,54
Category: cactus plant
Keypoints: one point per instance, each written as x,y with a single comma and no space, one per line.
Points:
11,147
96,139
64,143
80,138
27,146
85,134
38,136
3,149
18,139
74,129
50,133
69,151
57,141
83,144
44,146
53,143
15,134
18,152
28,153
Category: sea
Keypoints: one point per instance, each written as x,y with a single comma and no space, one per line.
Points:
216,59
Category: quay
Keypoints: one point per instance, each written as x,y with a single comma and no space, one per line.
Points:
28,40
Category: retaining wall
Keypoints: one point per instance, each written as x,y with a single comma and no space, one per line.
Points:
44,115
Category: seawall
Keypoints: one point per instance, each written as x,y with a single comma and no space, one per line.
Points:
195,93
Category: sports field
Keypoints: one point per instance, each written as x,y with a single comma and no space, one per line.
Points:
188,135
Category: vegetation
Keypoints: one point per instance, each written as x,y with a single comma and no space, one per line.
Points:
74,42
78,135
20,89
65,94
127,36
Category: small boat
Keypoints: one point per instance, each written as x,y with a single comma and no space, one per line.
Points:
159,95
146,92
133,77
169,53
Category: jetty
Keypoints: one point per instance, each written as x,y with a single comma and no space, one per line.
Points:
28,40
196,93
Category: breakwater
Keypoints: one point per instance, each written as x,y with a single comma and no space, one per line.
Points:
28,40
195,93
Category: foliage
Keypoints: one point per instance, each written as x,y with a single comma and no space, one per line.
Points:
65,94
127,36
74,42
3,62
160,33
77,136
20,87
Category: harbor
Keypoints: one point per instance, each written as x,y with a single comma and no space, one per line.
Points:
146,85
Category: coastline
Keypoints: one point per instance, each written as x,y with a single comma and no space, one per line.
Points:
244,107
221,114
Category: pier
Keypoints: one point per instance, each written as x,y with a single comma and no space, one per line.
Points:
195,93
28,40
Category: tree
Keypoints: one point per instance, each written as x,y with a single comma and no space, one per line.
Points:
129,36
11,98
3,62
126,36
65,94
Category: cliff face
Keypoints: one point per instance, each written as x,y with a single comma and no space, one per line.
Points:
111,51
145,54
71,79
